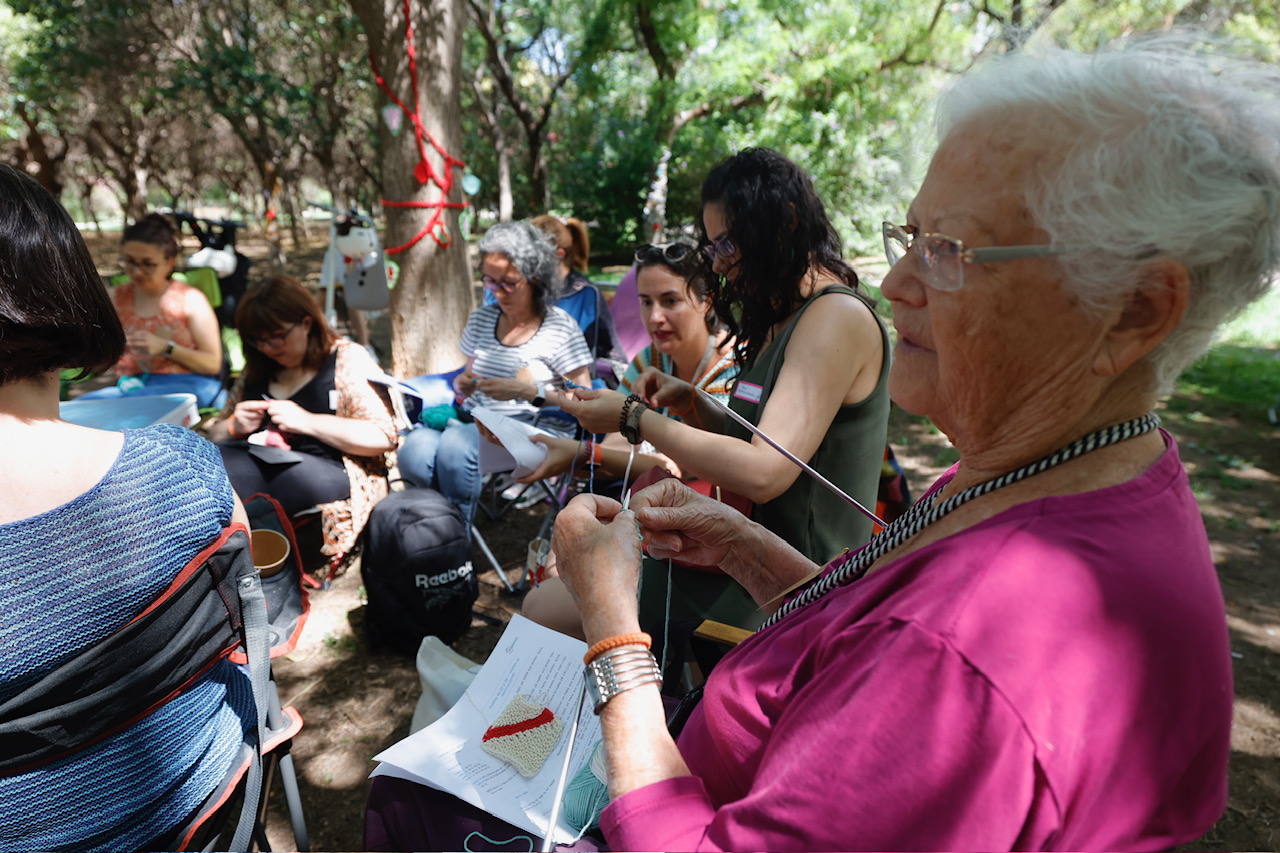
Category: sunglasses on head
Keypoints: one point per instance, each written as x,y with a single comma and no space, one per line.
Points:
670,252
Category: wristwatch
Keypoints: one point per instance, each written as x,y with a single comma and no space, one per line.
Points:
537,400
168,349
618,671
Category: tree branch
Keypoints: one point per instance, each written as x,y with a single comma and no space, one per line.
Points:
649,36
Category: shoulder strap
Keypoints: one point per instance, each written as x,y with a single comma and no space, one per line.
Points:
778,348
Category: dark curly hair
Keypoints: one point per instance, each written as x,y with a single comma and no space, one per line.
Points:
781,230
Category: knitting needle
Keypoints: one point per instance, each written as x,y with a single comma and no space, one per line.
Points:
626,477
548,843
755,430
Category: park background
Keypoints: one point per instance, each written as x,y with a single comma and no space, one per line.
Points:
611,111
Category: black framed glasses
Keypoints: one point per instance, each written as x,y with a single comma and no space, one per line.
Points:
147,267
942,258
721,248
672,253
275,340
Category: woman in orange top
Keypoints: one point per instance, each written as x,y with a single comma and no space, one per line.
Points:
174,344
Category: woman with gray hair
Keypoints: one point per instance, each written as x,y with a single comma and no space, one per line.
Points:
1036,655
514,348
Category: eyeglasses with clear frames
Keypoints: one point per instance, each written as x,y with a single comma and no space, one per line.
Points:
943,258
495,286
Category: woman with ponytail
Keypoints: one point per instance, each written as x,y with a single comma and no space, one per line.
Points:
581,299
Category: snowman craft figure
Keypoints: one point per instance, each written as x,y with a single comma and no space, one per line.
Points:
355,258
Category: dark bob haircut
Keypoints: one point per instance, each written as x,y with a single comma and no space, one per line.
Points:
270,307
54,308
781,230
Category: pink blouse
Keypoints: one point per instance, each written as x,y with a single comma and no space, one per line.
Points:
1057,677
170,321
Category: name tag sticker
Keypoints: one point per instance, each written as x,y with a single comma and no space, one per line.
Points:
748,391
333,400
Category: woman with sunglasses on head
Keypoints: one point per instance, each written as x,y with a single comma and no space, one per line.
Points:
813,361
514,348
303,423
174,342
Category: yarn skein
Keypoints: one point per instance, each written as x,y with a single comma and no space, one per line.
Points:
587,794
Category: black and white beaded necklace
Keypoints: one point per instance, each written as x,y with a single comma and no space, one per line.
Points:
927,511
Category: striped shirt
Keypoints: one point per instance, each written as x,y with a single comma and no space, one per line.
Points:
716,379
557,348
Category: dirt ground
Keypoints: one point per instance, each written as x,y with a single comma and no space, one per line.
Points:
356,703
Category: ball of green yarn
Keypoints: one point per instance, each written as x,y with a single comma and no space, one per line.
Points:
437,417
587,794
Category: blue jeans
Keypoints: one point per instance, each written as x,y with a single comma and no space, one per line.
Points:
447,461
207,389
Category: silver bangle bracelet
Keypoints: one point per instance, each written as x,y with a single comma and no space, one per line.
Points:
618,671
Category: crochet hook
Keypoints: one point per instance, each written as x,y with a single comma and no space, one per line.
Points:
548,842
755,430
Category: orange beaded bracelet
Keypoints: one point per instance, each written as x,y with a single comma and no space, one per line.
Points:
637,639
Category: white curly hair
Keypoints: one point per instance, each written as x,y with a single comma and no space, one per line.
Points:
1173,151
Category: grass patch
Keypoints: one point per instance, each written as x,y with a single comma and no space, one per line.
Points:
1236,375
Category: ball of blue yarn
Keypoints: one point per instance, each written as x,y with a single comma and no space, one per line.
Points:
584,799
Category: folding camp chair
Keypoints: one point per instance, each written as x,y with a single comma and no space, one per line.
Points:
214,608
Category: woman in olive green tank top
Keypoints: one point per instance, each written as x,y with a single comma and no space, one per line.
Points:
814,356
815,365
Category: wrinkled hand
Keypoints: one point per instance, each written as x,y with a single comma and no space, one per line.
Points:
597,550
248,417
506,388
679,523
464,384
288,416
560,454
596,410
144,341
662,390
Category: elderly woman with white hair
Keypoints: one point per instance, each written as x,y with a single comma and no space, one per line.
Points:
1036,655
513,348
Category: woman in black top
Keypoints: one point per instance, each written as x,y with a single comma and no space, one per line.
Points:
304,406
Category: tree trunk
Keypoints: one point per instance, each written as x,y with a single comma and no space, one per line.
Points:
655,205
506,201
85,188
538,175
430,305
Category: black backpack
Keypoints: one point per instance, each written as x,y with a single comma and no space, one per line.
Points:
416,572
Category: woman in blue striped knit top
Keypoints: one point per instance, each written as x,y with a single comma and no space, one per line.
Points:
93,526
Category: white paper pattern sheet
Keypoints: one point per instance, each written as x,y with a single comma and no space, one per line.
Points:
517,453
529,659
